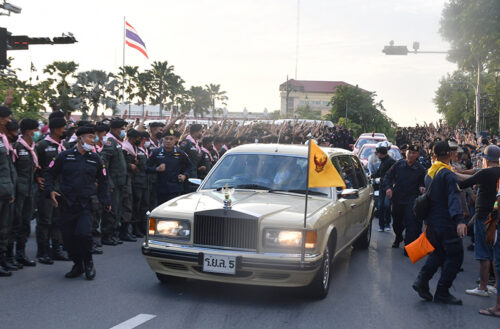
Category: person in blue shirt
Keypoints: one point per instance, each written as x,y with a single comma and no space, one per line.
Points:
172,166
445,229
82,177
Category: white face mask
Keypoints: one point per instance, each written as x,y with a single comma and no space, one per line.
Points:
87,147
104,139
147,144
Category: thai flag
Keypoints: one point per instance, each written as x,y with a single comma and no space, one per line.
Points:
132,39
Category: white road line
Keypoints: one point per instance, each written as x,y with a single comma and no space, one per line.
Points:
135,321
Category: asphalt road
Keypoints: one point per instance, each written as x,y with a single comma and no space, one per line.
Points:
369,289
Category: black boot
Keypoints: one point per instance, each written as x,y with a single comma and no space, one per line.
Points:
23,259
10,257
4,272
76,270
108,241
5,264
137,232
89,270
59,254
443,296
44,257
421,286
96,250
125,234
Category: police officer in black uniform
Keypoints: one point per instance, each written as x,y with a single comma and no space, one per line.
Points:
206,160
191,147
172,166
80,169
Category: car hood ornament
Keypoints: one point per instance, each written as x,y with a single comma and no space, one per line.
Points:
227,196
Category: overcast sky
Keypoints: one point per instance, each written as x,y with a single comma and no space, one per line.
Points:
248,46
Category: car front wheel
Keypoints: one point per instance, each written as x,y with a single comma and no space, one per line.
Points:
318,289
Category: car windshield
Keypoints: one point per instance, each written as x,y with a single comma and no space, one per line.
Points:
374,161
262,172
363,141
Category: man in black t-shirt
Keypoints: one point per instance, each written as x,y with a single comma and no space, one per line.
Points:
487,180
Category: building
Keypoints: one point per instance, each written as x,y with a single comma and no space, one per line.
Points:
301,93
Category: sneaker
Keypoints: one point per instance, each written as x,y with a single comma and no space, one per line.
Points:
477,292
387,229
381,229
492,290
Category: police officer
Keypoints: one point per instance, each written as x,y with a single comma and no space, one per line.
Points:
47,228
140,189
156,131
403,183
206,160
7,189
191,147
445,229
172,166
114,162
384,204
80,169
26,164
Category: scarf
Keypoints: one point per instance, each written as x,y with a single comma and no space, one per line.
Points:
153,143
192,140
60,146
110,135
8,147
225,147
129,148
436,168
203,148
97,148
145,151
216,152
31,149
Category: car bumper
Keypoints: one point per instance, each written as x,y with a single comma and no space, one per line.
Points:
267,269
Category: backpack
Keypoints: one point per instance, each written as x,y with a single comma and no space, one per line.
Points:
423,202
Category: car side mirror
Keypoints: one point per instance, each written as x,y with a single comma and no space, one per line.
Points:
349,193
351,146
195,181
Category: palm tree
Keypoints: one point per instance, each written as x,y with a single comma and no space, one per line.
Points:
143,82
162,74
127,79
216,95
97,87
63,70
200,100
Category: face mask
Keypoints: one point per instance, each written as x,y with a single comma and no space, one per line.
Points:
122,134
147,144
87,147
158,136
137,143
105,139
36,136
96,139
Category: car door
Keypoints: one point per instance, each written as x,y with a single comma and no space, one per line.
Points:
345,168
362,207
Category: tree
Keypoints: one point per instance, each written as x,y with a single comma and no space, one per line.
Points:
200,100
306,112
143,84
162,75
127,78
97,87
216,95
59,72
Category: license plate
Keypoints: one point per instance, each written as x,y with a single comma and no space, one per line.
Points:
219,264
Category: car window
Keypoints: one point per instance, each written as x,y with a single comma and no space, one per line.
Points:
395,154
363,141
367,151
360,174
346,170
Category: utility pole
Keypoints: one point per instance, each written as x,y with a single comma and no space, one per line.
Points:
478,100
297,45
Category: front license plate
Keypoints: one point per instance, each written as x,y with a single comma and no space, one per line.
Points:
219,264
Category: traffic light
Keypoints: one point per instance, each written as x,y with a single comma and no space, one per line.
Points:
19,42
3,46
395,50
63,40
40,41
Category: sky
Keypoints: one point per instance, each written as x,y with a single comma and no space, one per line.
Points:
249,46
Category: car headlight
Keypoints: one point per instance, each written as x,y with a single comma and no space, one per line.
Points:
176,229
288,239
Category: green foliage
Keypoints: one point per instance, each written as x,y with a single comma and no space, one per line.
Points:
357,129
361,110
200,100
306,112
59,91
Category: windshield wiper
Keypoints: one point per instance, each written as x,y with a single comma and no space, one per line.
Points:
252,186
300,192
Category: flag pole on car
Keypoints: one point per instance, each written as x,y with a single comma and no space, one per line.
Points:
320,173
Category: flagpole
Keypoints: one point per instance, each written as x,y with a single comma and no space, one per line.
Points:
304,234
123,63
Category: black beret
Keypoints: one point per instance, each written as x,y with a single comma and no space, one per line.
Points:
195,127
117,123
56,114
207,140
85,130
102,127
82,123
12,126
156,124
29,124
414,148
133,133
170,132
57,122
4,111
441,148
145,134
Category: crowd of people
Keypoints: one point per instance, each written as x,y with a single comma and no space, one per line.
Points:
90,184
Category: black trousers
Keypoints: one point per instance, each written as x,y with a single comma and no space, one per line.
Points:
47,226
111,219
76,227
448,254
6,215
404,220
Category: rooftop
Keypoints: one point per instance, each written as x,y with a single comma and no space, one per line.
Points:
314,86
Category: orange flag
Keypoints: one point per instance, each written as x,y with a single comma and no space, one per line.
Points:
322,172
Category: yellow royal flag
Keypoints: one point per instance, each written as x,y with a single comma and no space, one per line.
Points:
322,172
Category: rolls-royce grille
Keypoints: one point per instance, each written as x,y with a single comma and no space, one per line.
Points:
225,232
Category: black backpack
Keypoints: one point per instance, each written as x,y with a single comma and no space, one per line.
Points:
423,202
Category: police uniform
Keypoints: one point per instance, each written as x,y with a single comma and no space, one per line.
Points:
79,174
167,182
205,161
404,181
47,228
194,154
140,193
116,166
152,199
130,154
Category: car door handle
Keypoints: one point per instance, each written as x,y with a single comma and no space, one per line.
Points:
353,205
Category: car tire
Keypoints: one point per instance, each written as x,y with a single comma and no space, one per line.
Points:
363,241
318,288
163,278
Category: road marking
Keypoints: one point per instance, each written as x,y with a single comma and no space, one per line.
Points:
135,321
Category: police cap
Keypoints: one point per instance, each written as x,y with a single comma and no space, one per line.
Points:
441,148
85,130
5,111
12,126
414,148
100,127
195,128
57,122
56,114
117,123
145,134
28,124
156,124
170,132
133,133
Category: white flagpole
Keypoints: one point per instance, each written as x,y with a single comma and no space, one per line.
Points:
304,234
123,63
